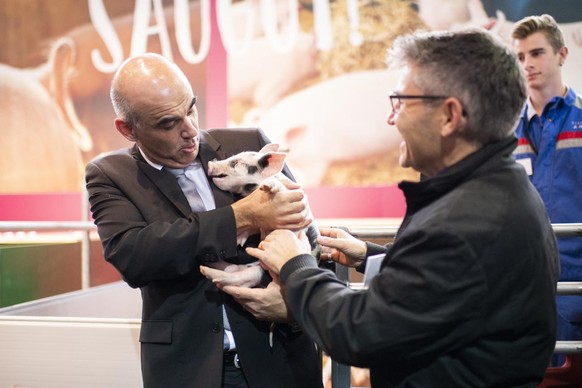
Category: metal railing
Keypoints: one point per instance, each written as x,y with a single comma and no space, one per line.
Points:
561,230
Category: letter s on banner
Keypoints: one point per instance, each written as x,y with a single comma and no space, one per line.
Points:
105,29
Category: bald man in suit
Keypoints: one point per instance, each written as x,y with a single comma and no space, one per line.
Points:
158,242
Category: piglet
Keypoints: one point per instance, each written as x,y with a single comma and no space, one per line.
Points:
242,174
250,170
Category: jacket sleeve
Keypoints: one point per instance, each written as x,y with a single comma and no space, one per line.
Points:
144,236
402,316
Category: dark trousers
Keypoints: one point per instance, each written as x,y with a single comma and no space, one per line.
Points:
233,376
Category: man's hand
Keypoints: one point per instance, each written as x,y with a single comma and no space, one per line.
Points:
341,247
279,247
265,210
266,304
248,275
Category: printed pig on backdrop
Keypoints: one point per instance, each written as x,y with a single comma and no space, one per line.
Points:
242,174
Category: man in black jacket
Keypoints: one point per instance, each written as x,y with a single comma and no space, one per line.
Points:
465,295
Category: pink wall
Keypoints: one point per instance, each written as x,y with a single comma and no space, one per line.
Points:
326,202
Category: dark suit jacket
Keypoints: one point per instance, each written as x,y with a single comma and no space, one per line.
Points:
153,239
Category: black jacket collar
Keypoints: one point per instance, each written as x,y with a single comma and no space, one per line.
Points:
489,157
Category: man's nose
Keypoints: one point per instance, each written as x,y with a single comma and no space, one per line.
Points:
390,119
190,128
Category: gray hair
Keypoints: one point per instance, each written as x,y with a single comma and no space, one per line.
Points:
473,66
122,108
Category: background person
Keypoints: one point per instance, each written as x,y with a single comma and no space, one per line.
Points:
466,293
157,242
550,148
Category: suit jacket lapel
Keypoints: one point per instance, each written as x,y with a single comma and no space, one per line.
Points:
210,149
165,182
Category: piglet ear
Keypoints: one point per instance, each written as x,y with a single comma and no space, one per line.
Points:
272,163
271,147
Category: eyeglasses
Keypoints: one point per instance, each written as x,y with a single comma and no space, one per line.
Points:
396,99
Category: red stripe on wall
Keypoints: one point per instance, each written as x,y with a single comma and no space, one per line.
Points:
356,202
326,202
41,207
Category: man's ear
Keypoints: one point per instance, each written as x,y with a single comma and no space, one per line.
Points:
563,53
454,117
125,129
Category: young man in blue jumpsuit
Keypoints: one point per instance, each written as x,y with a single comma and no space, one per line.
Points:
550,148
